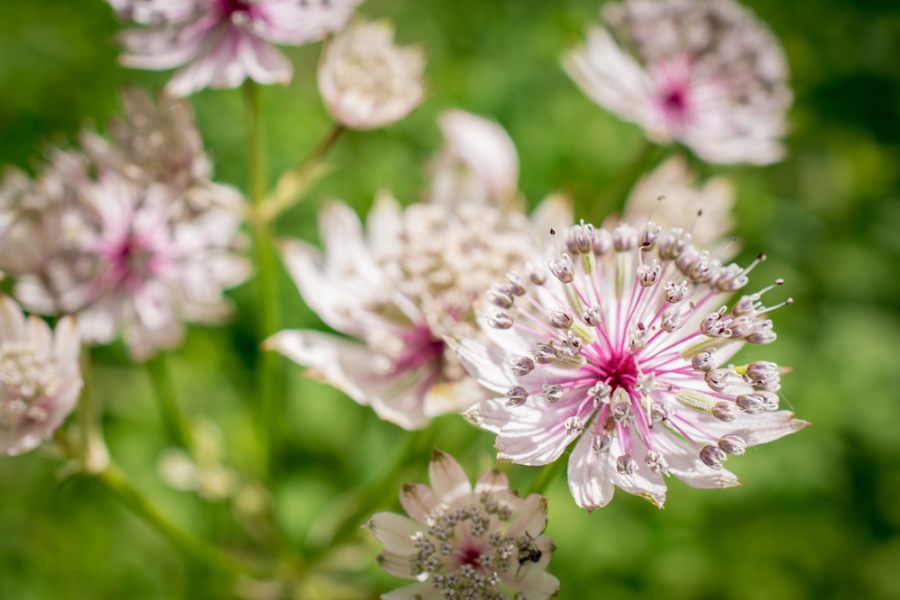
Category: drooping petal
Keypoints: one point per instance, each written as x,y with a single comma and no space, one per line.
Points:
395,532
448,479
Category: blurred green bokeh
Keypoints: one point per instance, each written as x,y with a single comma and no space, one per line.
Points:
819,516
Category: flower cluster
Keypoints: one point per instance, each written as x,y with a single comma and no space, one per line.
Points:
400,289
145,243
618,346
221,43
706,73
463,543
40,378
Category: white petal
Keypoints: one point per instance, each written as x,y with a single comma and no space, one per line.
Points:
448,479
418,500
531,519
425,591
396,565
487,365
590,481
492,481
685,464
395,532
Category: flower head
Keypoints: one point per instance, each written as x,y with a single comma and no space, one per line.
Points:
706,73
134,258
40,379
398,289
619,346
223,42
478,163
465,543
366,81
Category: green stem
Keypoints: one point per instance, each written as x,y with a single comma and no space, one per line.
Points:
267,293
324,145
94,454
176,424
115,482
616,193
547,475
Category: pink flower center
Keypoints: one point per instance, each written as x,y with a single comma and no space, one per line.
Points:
619,371
421,347
228,8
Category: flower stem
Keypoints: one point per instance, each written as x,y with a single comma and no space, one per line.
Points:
115,482
547,474
94,454
324,145
267,292
176,424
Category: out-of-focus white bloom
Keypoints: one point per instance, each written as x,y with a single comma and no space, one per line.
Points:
706,73
202,470
40,379
614,348
31,210
478,163
223,42
132,258
366,81
682,200
400,288
155,140
463,542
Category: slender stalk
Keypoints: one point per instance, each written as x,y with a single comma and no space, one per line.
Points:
324,145
176,424
94,454
270,408
114,481
547,475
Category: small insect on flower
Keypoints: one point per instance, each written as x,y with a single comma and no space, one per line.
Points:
706,73
466,543
647,391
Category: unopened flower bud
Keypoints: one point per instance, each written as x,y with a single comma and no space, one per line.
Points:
732,444
600,443
648,274
600,392
625,465
750,403
563,268
535,273
580,238
500,319
544,354
500,296
560,319
521,365
676,292
649,235
603,242
704,361
713,456
656,462
553,392
592,316
516,396
673,243
515,283
725,411
624,237
574,426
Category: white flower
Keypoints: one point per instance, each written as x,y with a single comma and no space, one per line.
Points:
132,258
40,379
31,210
466,543
706,73
155,140
366,81
682,200
478,163
636,374
223,42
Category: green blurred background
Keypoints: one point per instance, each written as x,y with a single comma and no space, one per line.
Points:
819,516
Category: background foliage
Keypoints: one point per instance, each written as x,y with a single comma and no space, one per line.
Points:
818,517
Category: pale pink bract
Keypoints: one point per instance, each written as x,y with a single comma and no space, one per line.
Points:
223,42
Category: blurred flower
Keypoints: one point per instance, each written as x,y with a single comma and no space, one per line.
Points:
201,470
223,42
132,257
40,378
366,81
460,542
706,73
155,140
409,282
31,210
616,350
682,200
478,163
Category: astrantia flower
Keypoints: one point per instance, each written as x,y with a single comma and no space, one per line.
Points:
223,42
706,73
619,346
40,379
366,81
155,140
464,543
410,281
478,163
132,258
31,210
